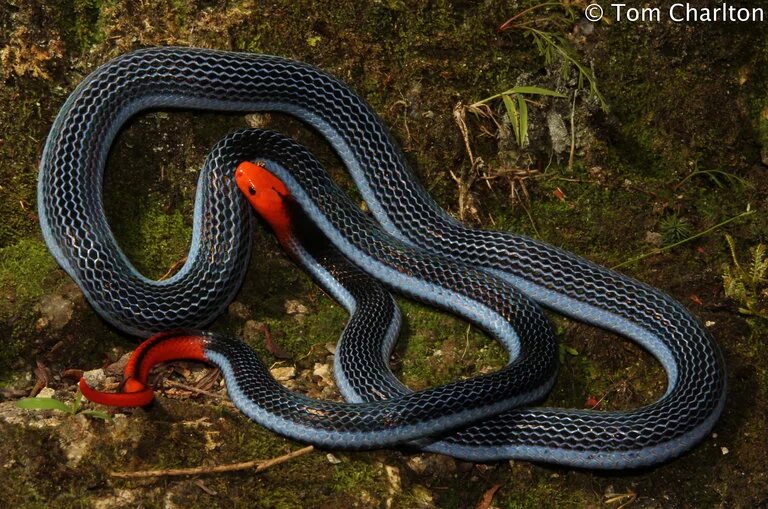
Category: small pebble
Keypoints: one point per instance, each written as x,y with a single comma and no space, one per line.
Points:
284,373
47,392
56,312
239,310
323,371
294,307
654,238
393,478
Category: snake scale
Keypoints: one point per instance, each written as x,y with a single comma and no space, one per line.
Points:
496,280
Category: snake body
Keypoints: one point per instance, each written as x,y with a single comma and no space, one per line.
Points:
413,245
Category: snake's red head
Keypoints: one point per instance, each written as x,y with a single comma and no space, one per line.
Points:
267,194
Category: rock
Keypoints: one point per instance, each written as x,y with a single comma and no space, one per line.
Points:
117,367
47,392
56,312
422,496
584,26
333,460
77,438
394,483
95,377
121,498
417,464
258,120
323,371
558,133
71,291
654,238
284,373
294,307
239,310
253,331
432,464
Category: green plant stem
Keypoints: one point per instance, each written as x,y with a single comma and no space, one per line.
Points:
727,175
508,23
587,73
519,90
688,239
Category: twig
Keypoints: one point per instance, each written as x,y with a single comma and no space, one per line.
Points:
659,250
507,24
199,391
176,266
487,499
573,132
259,465
466,177
530,218
466,342
623,498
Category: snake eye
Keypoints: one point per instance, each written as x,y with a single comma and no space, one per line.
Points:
251,190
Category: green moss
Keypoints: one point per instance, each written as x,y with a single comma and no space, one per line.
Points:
545,493
83,27
25,270
156,241
436,348
350,476
26,274
667,110
29,454
23,117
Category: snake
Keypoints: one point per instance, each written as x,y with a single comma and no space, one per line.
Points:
497,280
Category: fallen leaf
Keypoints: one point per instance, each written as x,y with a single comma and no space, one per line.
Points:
73,374
200,484
559,194
272,347
42,377
487,499
592,402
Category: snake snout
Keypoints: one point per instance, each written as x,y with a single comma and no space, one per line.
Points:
266,193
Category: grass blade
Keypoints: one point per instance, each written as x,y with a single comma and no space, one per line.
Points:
43,404
514,118
530,90
523,119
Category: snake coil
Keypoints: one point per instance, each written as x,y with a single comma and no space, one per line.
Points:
414,245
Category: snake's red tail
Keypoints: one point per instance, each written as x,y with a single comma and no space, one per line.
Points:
159,348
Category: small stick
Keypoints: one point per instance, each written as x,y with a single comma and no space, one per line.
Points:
260,466
660,250
173,268
573,133
199,391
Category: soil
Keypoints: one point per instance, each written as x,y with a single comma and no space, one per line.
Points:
679,146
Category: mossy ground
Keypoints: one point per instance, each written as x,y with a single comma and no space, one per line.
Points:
681,97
